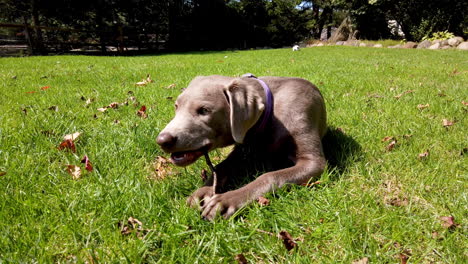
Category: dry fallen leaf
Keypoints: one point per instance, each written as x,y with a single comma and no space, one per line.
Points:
2,173
312,184
288,241
422,106
142,112
88,165
423,155
145,81
364,260
241,259
171,86
67,144
403,258
387,138
162,168
132,225
89,101
43,88
263,201
447,123
113,105
405,92
72,137
448,222
391,146
74,171
102,109
464,103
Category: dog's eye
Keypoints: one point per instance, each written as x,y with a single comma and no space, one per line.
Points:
202,111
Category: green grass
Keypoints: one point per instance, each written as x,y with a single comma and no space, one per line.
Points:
380,204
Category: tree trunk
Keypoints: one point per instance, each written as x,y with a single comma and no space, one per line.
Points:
28,36
38,41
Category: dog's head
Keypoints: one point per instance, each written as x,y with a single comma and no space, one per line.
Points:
212,112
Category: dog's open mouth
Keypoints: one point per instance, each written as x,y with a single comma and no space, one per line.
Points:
185,158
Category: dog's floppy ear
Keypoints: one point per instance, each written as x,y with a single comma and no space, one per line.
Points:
246,106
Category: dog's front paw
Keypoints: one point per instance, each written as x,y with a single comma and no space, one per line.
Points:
225,204
200,197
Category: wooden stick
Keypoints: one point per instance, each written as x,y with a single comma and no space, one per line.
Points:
213,171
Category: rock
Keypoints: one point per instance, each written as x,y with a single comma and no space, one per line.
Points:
362,44
444,43
463,46
351,43
410,45
424,45
435,46
446,47
340,43
378,45
395,47
320,45
455,41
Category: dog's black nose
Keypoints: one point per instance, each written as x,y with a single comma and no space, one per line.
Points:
166,140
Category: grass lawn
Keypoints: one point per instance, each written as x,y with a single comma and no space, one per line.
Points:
384,203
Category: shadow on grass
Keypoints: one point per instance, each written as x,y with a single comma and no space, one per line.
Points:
340,150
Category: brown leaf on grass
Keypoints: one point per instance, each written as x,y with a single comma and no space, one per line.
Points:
102,109
43,88
74,171
89,101
447,123
465,103
171,86
133,225
113,105
240,258
72,137
263,201
88,165
145,81
403,258
67,144
162,167
53,108
423,155
2,173
391,146
288,241
405,92
142,112
312,184
387,138
422,106
169,98
364,260
395,201
449,222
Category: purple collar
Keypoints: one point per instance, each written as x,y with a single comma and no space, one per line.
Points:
267,114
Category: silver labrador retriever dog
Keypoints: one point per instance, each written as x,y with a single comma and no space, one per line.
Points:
274,119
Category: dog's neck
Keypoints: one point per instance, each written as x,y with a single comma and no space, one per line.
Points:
268,112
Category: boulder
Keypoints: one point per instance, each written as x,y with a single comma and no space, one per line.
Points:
378,45
424,45
410,45
320,45
435,46
362,44
395,47
455,41
446,47
339,43
463,46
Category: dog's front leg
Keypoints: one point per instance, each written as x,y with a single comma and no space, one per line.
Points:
228,203
226,170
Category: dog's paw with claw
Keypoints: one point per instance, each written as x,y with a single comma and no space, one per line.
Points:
200,197
225,204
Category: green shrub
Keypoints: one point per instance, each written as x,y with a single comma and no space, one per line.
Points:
441,35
